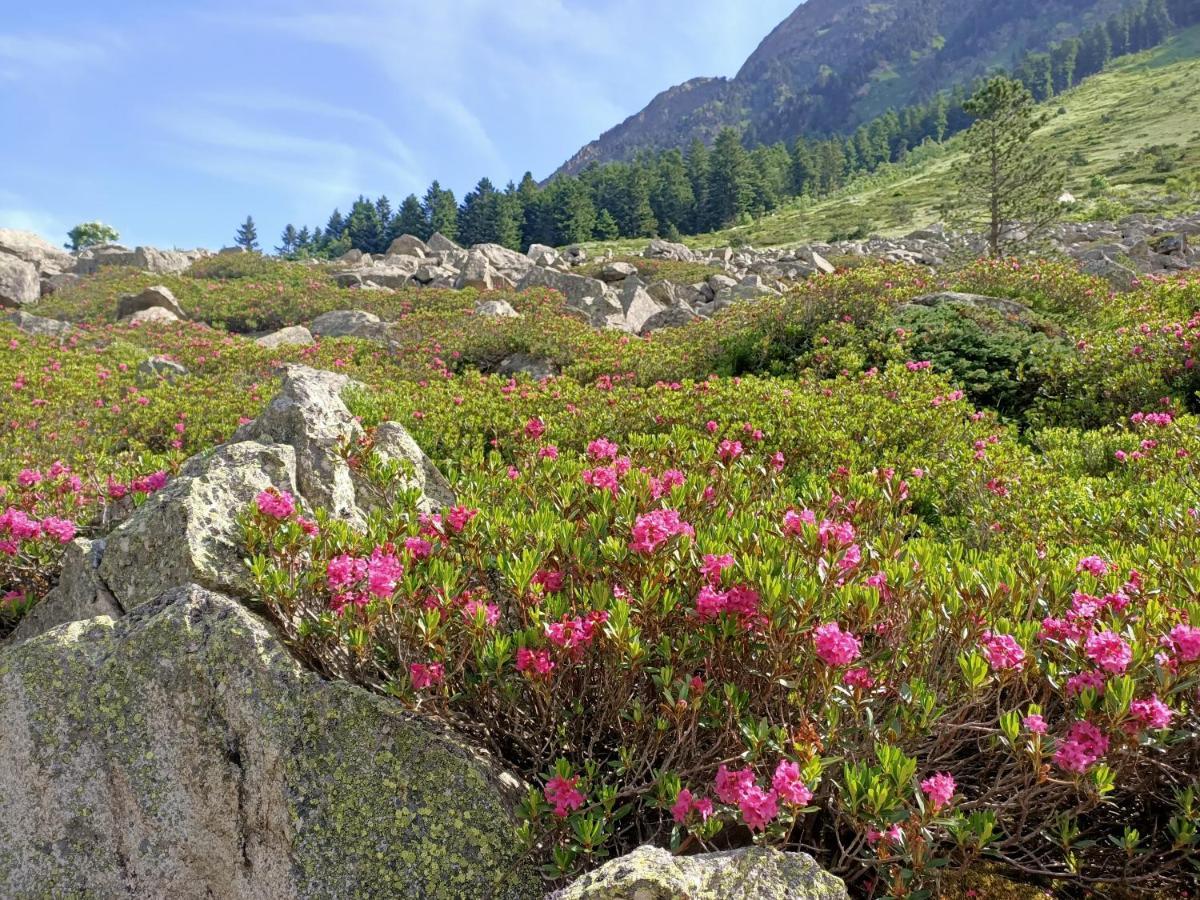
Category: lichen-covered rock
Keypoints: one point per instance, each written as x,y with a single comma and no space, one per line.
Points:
308,415
162,367
394,443
155,315
496,309
80,594
179,751
756,873
188,531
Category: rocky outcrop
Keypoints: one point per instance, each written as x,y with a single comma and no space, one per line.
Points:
495,309
179,751
35,250
150,259
19,283
588,297
155,315
156,296
756,873
37,325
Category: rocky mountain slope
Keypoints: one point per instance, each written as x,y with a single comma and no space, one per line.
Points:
833,64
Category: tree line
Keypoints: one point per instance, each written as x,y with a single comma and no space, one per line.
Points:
673,193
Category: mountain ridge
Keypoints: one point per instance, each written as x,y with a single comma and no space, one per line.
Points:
831,65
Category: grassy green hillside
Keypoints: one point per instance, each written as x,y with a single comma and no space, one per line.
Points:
1131,133
1108,127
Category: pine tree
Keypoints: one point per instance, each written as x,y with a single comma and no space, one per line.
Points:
334,227
477,215
730,191
247,235
410,220
383,209
289,241
1006,184
672,198
573,213
441,211
510,217
363,228
940,117
606,226
804,169
698,159
303,240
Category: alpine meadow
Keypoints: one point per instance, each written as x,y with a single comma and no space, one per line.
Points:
793,492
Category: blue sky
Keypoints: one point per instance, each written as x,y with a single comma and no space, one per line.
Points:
173,121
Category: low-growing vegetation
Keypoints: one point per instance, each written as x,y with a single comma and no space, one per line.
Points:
912,588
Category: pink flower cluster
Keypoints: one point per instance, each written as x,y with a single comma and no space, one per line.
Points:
685,804
1081,748
536,663
651,530
16,526
1002,651
564,795
575,633
275,504
345,575
939,788
834,646
739,601
425,675
760,806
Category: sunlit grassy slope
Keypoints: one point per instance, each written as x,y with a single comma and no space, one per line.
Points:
1107,129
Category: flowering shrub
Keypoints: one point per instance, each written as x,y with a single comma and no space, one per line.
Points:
747,652
830,601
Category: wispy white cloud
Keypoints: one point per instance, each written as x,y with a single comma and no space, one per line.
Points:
28,56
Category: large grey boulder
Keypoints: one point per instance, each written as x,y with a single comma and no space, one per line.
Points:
179,751
616,271
756,873
476,273
541,255
588,297
158,295
188,531
151,259
509,263
292,336
163,367
1120,277
80,594
637,304
1010,308
660,249
349,323
535,367
19,282
36,250
439,243
671,317
408,245
38,326
155,315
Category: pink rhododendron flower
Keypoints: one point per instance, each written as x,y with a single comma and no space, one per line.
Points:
383,571
535,662
62,530
602,448
457,517
534,429
730,787
548,452
1094,565
1083,746
343,571
1185,641
418,548
275,504
490,611
1108,650
653,529
1034,724
758,807
564,795
939,789
834,646
714,565
794,522
1002,651
1077,684
788,784
859,679
1151,712
550,581
425,675
729,450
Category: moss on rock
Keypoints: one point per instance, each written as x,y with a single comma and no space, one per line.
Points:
180,751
